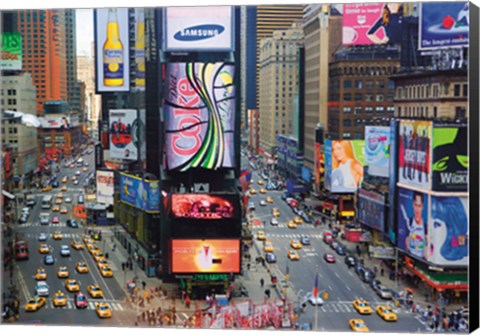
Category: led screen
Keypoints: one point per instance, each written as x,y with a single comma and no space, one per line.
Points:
204,206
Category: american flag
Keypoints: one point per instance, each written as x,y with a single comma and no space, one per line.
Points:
245,180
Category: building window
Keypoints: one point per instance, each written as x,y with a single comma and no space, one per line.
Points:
456,90
347,84
347,97
391,85
399,92
391,109
435,90
369,84
358,97
358,135
357,110
465,90
347,123
390,96
347,109
368,97
347,135
379,97
379,109
359,84
380,84
368,110
460,113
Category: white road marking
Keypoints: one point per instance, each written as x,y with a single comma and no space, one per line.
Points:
348,287
336,275
331,289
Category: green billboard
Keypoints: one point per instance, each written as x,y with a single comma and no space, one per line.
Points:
11,51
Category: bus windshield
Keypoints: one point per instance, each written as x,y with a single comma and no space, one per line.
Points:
47,202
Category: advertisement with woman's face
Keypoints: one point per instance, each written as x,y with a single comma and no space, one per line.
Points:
347,159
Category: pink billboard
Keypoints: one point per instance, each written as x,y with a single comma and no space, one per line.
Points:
372,23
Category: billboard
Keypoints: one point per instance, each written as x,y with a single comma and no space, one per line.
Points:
11,51
199,113
105,187
205,206
140,193
306,174
59,122
199,28
392,182
372,23
450,158
412,212
377,150
344,165
371,209
448,231
111,44
443,25
414,153
205,256
139,49
123,133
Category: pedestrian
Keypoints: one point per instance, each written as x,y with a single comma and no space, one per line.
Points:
381,271
144,284
375,270
187,301
123,266
114,247
131,266
267,293
262,282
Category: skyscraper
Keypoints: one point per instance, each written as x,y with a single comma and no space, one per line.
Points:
73,87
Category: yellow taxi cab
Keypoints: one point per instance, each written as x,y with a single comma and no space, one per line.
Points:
293,255
295,244
362,306
268,246
58,201
59,299
74,178
72,285
57,235
34,304
41,274
65,179
81,267
269,200
102,262
63,210
261,182
98,256
263,191
62,272
253,191
60,195
291,224
43,249
95,291
64,188
297,220
56,209
86,238
103,310
72,166
106,271
77,245
386,313
261,235
47,188
92,248
85,169
275,212
358,325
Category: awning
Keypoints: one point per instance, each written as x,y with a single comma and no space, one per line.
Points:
442,281
8,195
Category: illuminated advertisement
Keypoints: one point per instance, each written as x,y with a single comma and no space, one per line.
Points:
199,28
139,49
448,231
205,206
140,193
392,182
123,131
344,165
111,43
59,122
450,158
209,256
443,25
105,187
371,209
199,113
412,212
372,23
414,153
377,150
11,51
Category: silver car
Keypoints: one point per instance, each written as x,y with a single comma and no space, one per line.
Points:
316,301
41,289
42,237
384,292
64,250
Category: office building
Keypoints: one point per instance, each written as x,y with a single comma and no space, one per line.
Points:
93,103
248,54
73,87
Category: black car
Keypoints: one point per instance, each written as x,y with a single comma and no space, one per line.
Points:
55,184
72,223
340,251
305,240
334,245
335,232
374,284
350,261
358,268
270,257
49,260
366,275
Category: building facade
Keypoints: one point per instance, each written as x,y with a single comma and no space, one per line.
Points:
93,103
253,130
73,87
18,94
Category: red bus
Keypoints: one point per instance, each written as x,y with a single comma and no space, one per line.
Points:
21,250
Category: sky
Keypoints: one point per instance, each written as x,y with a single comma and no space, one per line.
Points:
84,31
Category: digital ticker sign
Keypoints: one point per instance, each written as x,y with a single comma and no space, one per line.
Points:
205,206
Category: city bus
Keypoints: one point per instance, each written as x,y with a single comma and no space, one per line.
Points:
47,201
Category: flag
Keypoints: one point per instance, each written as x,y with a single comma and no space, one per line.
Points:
245,180
315,286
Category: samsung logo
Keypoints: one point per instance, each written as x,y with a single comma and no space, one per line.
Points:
197,33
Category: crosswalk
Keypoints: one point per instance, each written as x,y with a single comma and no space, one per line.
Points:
114,305
294,236
37,224
347,307
73,236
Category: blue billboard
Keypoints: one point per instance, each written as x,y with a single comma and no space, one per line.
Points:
306,174
140,193
371,209
328,164
377,150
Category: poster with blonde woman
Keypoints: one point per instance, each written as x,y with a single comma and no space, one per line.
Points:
348,158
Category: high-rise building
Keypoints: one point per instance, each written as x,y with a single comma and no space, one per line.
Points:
248,56
86,74
269,19
73,88
18,93
44,52
279,83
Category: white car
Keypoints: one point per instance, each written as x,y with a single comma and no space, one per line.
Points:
26,211
75,182
64,250
274,222
263,203
42,237
77,172
44,219
41,289
68,199
316,301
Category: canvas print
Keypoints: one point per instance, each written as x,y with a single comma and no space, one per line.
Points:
296,167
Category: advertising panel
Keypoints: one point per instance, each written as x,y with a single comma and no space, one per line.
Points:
205,256
11,51
105,187
371,209
448,231
59,122
205,206
382,252
306,175
344,160
140,193
123,131
450,158
372,23
412,211
443,25
328,164
414,153
98,155
111,43
377,150
139,49
199,28
391,226
199,113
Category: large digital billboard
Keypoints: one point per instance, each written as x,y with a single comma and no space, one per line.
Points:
205,206
414,153
448,231
412,213
199,28
372,23
443,25
140,193
123,133
59,122
392,182
371,209
199,113
450,158
344,165
377,150
111,43
205,256
139,49
11,51
105,187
